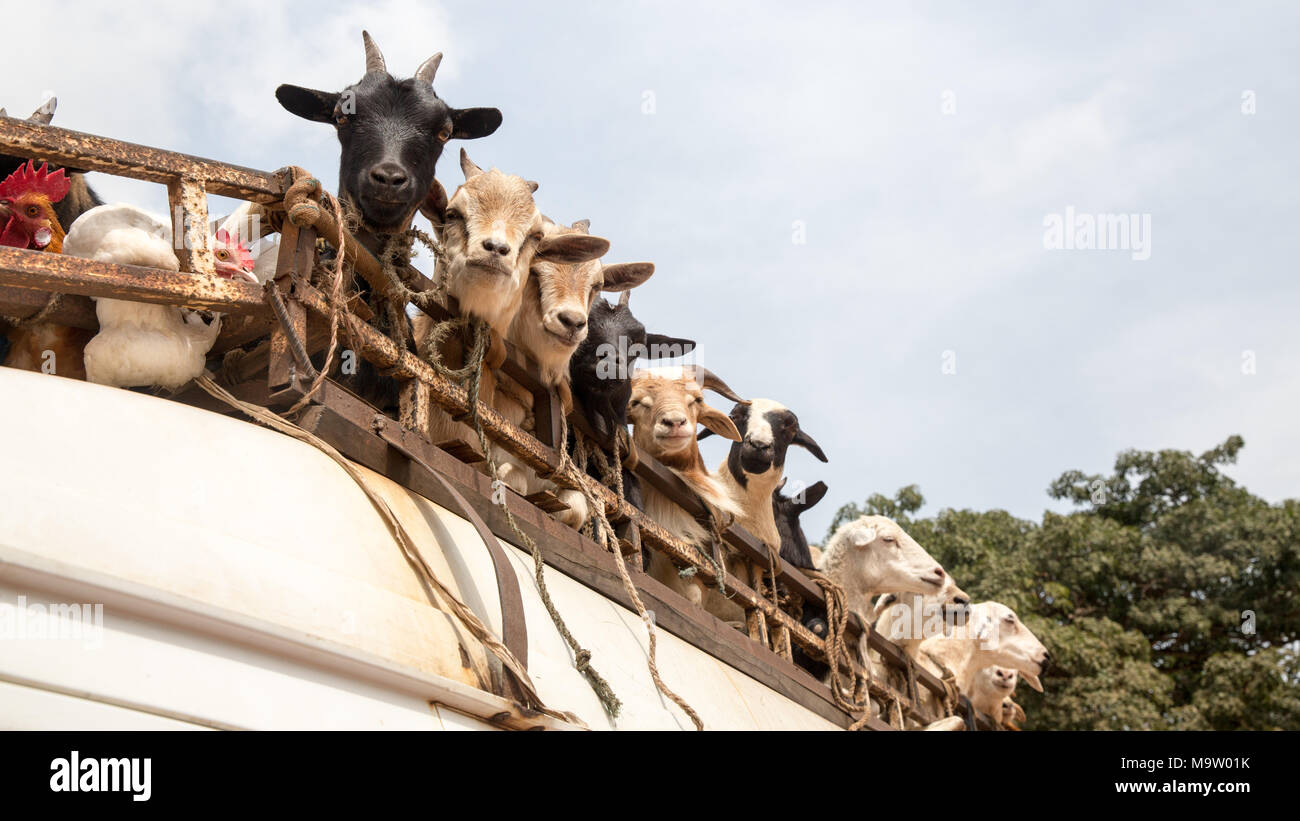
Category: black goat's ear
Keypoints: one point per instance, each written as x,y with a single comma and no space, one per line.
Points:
704,434
812,495
659,346
805,441
624,276
472,123
308,103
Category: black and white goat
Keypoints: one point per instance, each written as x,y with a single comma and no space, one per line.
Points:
755,465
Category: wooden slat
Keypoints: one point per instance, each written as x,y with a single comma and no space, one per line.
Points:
193,244
56,272
88,152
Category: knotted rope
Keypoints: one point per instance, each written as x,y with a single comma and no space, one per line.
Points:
850,696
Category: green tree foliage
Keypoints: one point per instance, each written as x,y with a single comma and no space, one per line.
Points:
1168,600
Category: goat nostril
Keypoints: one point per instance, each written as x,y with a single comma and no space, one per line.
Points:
572,320
493,246
389,175
938,572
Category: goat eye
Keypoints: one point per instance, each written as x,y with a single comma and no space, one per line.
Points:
341,120
444,134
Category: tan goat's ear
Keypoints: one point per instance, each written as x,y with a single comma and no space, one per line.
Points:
468,167
1032,681
718,422
570,249
624,276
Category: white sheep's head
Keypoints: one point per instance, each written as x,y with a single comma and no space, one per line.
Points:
872,555
493,233
912,617
1000,681
1003,640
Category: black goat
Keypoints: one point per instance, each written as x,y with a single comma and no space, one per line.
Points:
392,133
80,198
794,549
787,509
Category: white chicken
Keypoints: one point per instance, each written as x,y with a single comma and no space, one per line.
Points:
140,344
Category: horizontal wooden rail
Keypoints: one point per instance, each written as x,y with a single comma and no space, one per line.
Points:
91,278
88,152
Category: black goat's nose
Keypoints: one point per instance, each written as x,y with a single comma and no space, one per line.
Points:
388,174
497,247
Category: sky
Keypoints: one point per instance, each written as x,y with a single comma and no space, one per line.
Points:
849,205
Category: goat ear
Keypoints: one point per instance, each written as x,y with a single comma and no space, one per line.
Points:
308,103
659,346
472,123
812,495
862,536
1032,681
805,441
704,434
718,422
435,204
624,276
570,249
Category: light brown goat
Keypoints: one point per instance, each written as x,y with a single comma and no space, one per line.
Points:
665,409
549,327
492,233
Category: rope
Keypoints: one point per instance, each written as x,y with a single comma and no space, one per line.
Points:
581,656
411,551
852,699
305,214
609,539
950,689
25,322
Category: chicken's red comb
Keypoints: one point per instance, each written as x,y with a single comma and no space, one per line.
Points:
27,177
237,248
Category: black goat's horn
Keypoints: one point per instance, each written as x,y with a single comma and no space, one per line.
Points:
624,297
374,58
424,74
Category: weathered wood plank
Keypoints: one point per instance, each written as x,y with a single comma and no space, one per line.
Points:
88,152
72,275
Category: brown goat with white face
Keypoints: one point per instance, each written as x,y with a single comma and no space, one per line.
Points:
664,411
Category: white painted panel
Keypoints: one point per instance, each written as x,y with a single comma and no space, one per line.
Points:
28,708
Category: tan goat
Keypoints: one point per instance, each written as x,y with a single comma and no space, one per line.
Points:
492,233
665,409
549,327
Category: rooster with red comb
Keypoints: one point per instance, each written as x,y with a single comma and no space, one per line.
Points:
27,199
28,220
